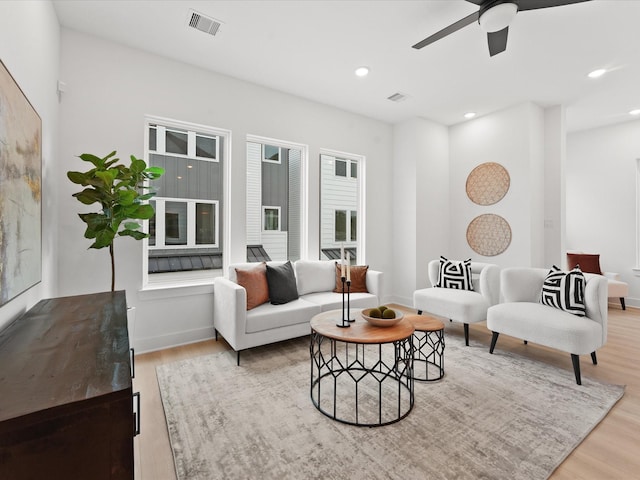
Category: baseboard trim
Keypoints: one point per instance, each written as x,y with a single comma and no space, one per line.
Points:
152,344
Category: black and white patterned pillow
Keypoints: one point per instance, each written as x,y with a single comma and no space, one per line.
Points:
455,274
564,290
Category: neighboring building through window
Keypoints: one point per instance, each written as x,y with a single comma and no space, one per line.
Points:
341,205
186,231
274,198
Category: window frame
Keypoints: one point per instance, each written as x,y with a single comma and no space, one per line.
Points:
163,281
264,218
268,160
191,224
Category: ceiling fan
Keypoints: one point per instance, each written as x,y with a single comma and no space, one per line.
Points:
494,17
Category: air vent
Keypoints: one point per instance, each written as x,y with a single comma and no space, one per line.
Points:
203,23
397,97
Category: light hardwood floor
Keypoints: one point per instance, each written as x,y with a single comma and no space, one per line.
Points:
611,451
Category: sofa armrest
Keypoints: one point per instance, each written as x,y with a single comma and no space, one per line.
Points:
374,283
229,310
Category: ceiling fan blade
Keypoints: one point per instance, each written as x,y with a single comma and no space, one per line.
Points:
535,4
497,41
454,27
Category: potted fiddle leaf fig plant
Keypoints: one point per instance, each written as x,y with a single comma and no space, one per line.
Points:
122,195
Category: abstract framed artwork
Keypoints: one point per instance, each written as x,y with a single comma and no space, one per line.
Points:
20,190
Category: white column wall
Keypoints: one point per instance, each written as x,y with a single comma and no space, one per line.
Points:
601,198
513,138
420,203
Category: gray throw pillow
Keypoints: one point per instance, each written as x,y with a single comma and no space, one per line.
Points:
282,283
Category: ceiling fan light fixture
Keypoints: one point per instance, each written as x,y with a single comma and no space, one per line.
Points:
497,17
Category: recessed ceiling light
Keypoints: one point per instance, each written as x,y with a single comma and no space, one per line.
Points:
469,114
597,73
635,112
362,71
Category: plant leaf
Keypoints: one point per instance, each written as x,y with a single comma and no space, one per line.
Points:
133,233
132,225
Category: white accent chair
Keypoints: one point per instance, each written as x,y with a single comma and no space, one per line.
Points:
463,306
617,288
521,315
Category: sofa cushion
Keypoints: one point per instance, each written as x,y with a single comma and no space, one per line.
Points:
333,301
314,276
268,316
564,290
282,283
455,274
254,281
546,325
358,275
451,303
589,263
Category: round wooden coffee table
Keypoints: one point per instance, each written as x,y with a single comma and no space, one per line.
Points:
361,375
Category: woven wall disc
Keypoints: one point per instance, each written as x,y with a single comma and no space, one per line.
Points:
488,183
489,234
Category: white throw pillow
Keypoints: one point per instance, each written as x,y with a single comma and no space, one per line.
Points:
315,276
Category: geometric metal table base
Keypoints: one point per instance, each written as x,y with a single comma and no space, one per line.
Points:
362,383
428,355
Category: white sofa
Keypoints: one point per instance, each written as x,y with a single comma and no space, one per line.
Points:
267,323
521,315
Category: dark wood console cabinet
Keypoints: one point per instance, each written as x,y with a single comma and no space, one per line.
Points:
66,399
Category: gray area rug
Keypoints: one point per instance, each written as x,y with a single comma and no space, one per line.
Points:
497,416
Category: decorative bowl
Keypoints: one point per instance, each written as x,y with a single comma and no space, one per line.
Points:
381,322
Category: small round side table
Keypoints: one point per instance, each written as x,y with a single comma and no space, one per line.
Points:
428,347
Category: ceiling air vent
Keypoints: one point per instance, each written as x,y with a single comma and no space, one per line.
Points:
397,97
203,23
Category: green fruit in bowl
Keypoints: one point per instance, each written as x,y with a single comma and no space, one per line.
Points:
375,313
388,313
382,308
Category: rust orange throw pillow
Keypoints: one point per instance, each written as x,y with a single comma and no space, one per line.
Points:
358,279
255,283
589,263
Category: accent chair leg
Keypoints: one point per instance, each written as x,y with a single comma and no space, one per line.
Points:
593,358
526,342
238,358
466,334
216,332
624,307
419,312
494,339
575,359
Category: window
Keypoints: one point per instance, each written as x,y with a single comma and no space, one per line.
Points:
275,220
271,217
341,205
270,153
341,226
186,231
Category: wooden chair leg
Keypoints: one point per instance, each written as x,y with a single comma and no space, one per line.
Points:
494,339
419,312
593,358
238,358
624,307
575,359
466,334
526,342
216,332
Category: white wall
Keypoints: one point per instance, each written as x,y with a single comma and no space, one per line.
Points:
109,90
601,198
555,151
421,214
29,48
513,138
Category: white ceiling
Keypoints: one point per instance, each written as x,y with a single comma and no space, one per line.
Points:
311,49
